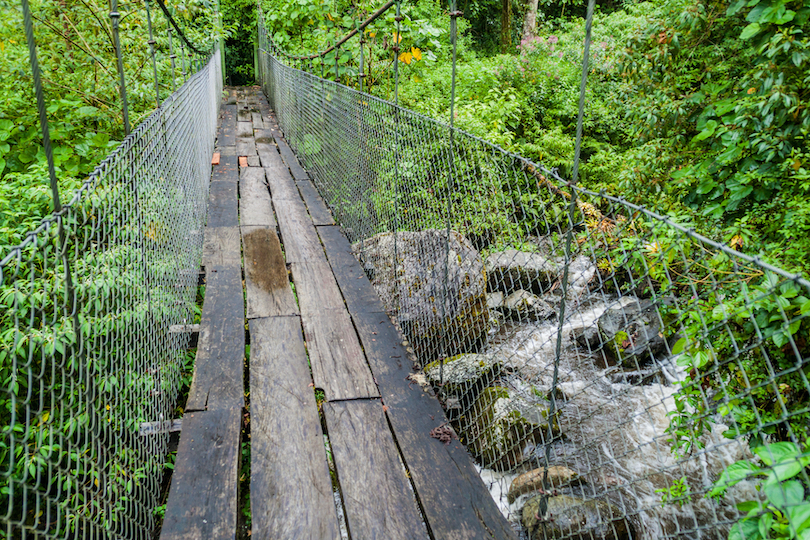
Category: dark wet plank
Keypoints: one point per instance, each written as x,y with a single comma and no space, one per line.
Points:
243,114
266,279
227,170
456,502
255,207
203,496
226,134
339,367
358,292
379,502
317,208
222,205
290,488
218,368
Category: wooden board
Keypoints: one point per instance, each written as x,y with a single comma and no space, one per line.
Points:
317,208
219,366
226,134
221,247
456,502
358,292
257,120
243,114
378,500
228,168
245,146
267,149
203,496
282,185
222,205
339,367
290,488
244,129
289,157
253,161
255,207
301,243
266,279
315,285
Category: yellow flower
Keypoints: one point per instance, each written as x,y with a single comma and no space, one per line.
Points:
406,57
416,53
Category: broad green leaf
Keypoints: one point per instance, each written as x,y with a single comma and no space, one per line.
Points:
733,474
750,31
785,494
746,529
799,516
776,452
679,345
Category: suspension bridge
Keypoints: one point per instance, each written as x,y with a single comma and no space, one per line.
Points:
387,328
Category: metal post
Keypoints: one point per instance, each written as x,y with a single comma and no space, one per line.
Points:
115,17
152,52
183,60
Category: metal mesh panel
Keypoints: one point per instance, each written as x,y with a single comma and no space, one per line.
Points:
678,356
89,368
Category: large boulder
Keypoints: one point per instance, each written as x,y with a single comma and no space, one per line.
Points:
512,270
524,306
436,288
633,332
502,425
574,519
557,476
462,377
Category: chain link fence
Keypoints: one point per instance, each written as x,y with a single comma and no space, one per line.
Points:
613,373
89,367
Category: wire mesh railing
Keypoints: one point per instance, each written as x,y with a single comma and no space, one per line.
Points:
89,367
675,403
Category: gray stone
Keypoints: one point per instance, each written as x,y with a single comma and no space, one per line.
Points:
464,376
575,519
495,300
439,319
502,424
632,333
533,480
522,305
587,337
512,270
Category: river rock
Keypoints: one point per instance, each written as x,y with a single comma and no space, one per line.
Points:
512,270
632,333
415,289
587,337
502,424
495,300
558,476
522,305
575,519
465,375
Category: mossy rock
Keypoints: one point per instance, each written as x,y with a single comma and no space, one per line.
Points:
465,375
632,333
501,424
574,519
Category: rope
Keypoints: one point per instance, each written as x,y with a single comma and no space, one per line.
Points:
572,207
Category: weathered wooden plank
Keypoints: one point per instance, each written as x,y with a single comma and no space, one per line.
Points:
358,292
290,488
244,129
228,168
253,161
317,208
282,185
289,157
221,247
257,120
226,134
218,369
456,502
378,500
315,285
245,146
203,495
222,205
266,279
338,364
267,149
255,207
243,114
301,243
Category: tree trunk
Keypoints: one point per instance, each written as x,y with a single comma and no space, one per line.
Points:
506,25
530,22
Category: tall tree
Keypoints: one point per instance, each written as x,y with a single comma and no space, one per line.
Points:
530,22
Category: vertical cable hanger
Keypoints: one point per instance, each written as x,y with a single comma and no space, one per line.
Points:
115,17
152,52
572,208
397,39
172,56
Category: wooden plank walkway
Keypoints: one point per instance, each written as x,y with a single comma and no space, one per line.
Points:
359,462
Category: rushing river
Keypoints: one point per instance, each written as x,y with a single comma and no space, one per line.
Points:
613,427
